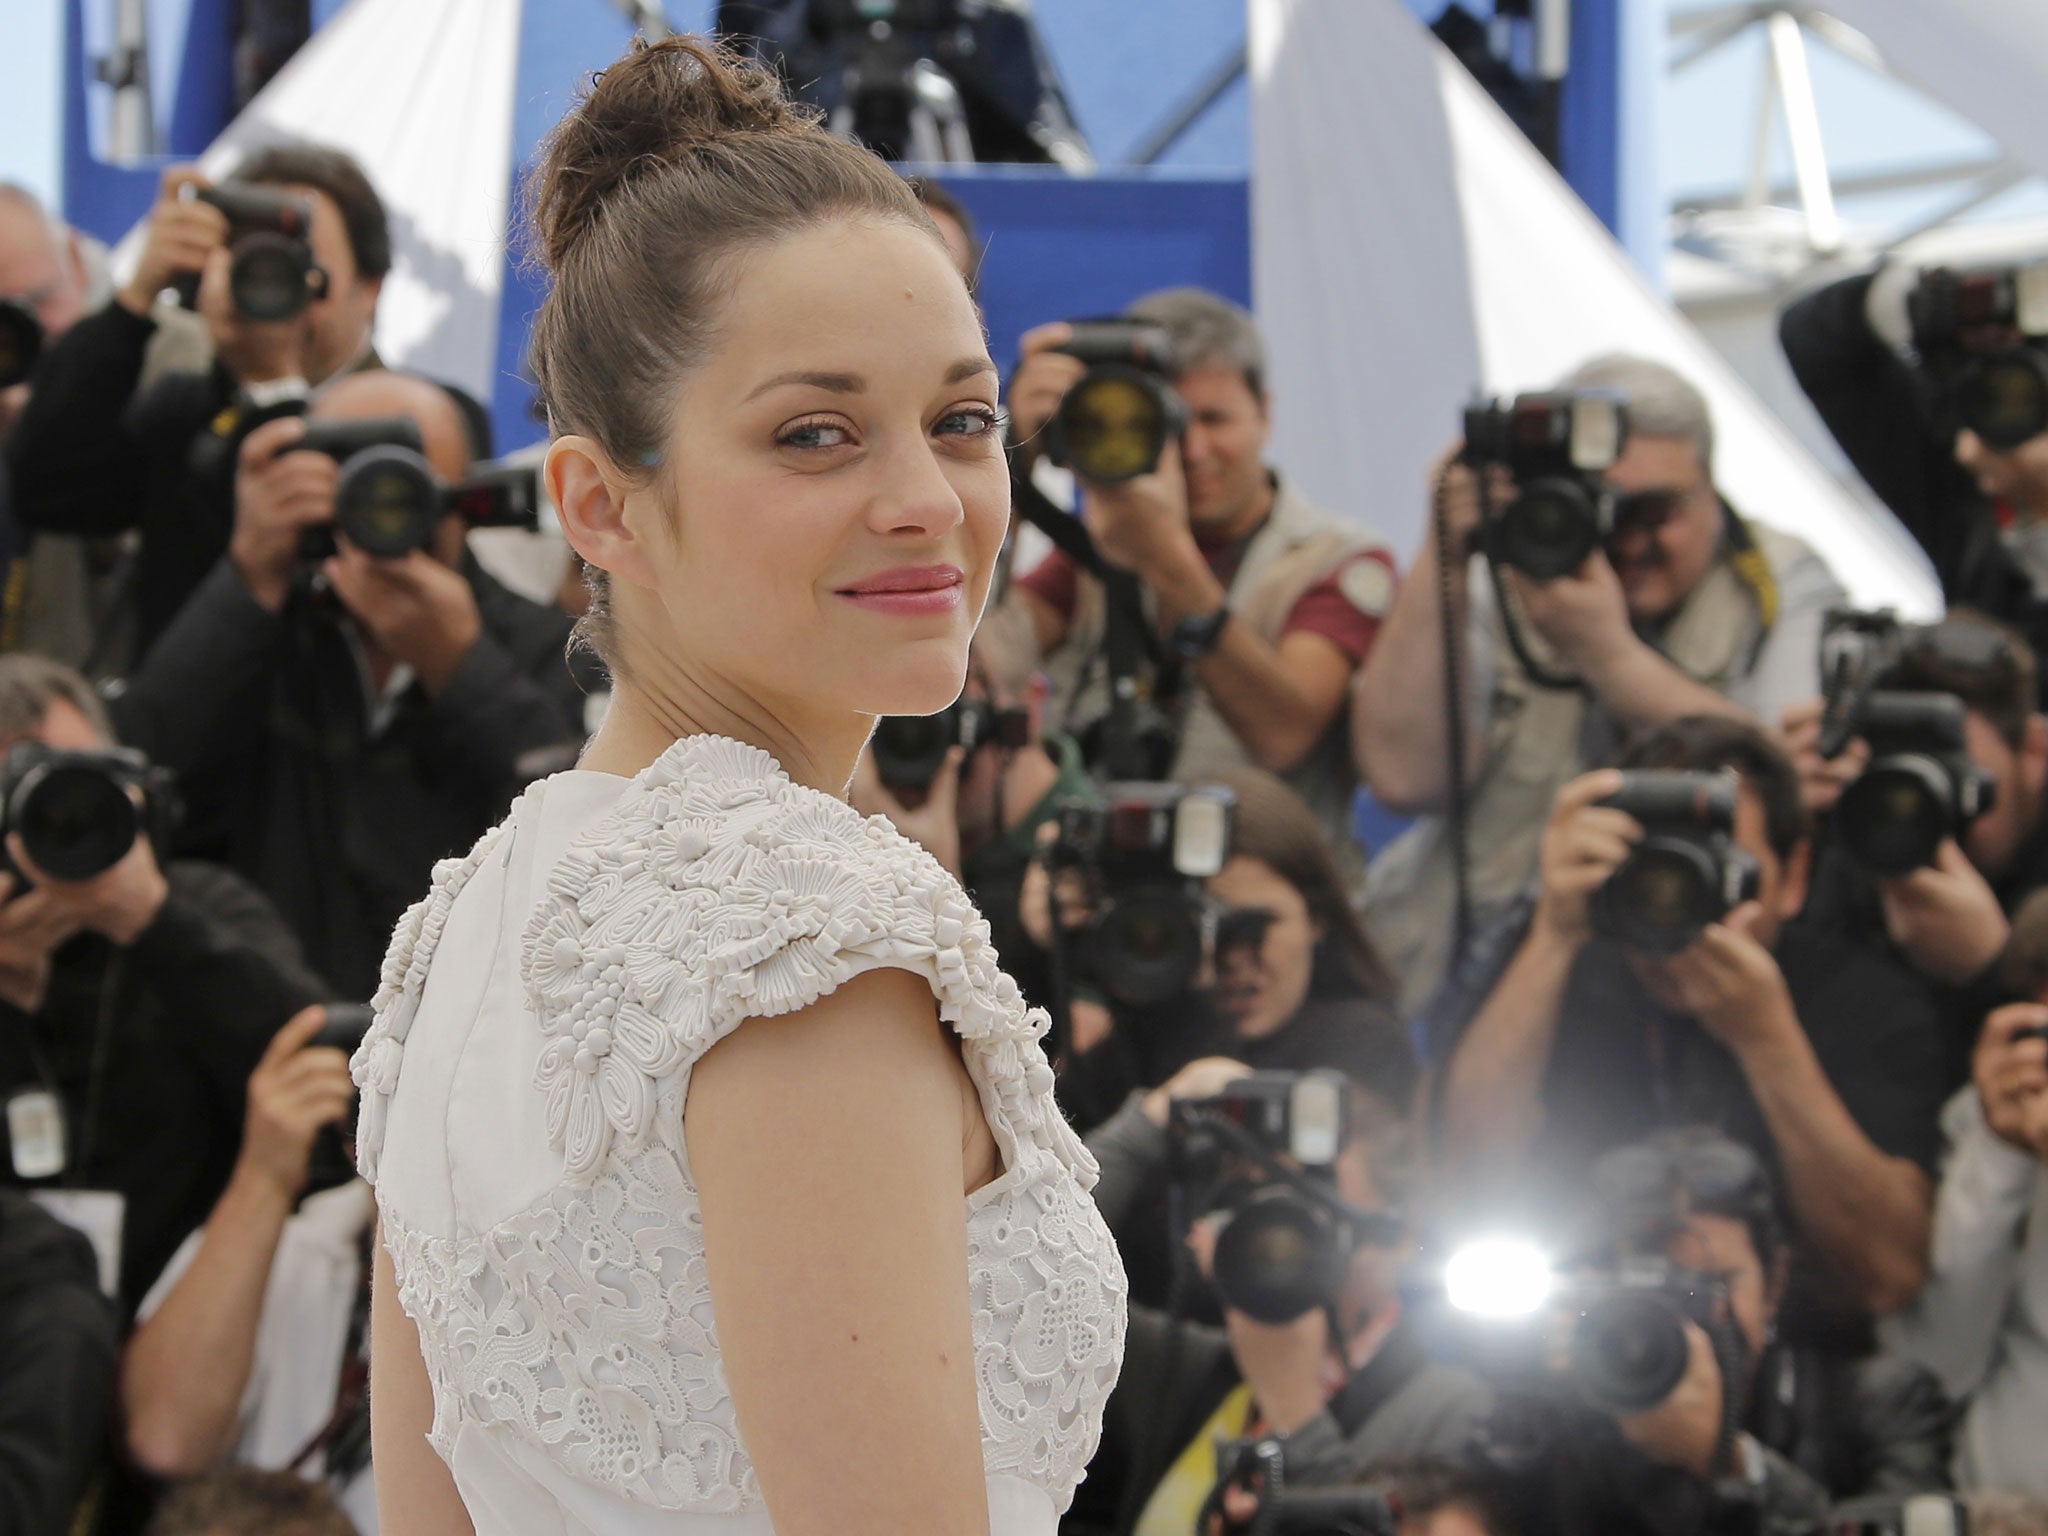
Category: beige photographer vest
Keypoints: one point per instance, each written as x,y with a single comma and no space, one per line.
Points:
1537,740
1297,547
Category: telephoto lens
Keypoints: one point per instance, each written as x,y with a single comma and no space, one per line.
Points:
78,813
389,501
1115,424
272,272
1921,786
1687,871
1965,325
1629,1351
21,342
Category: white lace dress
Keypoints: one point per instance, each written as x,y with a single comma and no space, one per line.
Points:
522,1113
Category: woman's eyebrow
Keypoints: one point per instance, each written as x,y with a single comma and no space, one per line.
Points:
854,384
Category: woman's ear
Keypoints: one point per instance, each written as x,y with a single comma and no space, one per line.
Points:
591,499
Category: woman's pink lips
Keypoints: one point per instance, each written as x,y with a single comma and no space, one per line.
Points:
910,590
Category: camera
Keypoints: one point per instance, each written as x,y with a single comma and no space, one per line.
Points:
346,1025
390,501
1687,872
1920,1514
1558,447
1921,787
1146,849
1964,327
79,813
271,274
21,342
909,750
1287,1236
1613,1336
1258,1468
1118,420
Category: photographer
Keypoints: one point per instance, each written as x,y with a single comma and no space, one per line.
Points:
1266,603
98,453
1819,1054
133,1006
1948,917
1980,512
1685,608
1674,1407
47,277
980,811
1342,1381
351,721
1982,1320
1286,979
57,1350
251,1347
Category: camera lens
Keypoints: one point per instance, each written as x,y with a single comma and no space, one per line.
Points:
1629,1351
1146,945
2004,399
1278,1257
1548,530
910,749
388,502
1114,424
75,821
268,278
21,343
1894,817
1661,897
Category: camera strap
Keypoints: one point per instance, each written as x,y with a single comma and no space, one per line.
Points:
1398,1361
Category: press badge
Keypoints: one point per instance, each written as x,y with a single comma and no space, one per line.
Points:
35,1130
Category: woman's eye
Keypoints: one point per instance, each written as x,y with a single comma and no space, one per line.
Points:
976,422
814,434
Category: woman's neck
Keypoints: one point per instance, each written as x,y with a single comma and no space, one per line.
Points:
642,724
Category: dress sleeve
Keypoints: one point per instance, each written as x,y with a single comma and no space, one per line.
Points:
717,894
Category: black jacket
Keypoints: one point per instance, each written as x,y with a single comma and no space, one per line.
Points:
57,1353
149,1049
1878,411
263,718
93,456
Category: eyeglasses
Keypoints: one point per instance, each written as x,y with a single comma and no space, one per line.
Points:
1647,510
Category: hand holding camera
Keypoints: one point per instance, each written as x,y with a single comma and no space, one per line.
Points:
1945,917
181,233
1044,375
414,607
2010,1071
1581,613
34,925
1821,778
1585,843
280,494
1684,1430
299,1088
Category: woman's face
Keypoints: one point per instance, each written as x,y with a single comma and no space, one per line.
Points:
835,480
1259,990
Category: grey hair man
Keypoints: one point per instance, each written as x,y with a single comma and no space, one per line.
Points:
1687,608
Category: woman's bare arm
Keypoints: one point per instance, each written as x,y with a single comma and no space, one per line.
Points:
415,1492
827,1150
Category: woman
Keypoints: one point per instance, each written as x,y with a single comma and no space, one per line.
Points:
680,1079
1294,981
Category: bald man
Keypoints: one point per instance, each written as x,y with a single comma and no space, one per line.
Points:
342,725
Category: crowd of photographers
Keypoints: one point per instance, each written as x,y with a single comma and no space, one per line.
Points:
1649,1138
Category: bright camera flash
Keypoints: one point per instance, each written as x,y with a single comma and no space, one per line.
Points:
1498,1278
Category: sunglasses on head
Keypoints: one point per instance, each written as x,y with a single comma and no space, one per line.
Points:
1715,1175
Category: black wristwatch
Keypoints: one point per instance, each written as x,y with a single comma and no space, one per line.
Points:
1196,637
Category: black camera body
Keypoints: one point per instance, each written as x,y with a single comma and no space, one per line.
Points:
79,813
21,342
1687,872
1558,446
390,502
909,750
1258,1469
1921,788
1287,1236
1146,850
1983,334
272,274
1612,1337
1116,423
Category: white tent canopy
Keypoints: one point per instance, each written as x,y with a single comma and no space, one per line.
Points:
1409,246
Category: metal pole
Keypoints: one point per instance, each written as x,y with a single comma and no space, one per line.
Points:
1802,125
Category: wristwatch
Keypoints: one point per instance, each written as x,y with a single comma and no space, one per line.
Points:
1196,637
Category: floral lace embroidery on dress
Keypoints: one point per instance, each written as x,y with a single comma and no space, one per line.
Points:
718,891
